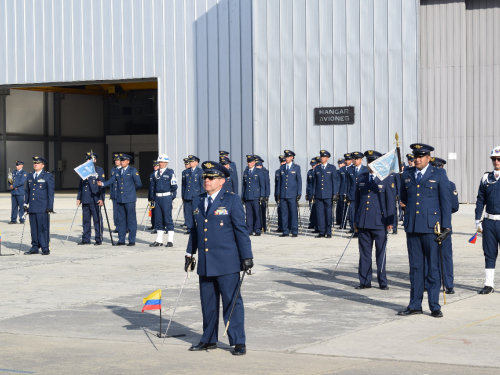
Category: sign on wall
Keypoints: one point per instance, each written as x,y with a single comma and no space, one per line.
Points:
334,116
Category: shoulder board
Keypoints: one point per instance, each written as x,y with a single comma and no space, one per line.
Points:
485,176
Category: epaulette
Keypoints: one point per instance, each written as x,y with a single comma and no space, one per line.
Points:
485,176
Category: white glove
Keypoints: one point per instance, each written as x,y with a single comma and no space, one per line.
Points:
479,226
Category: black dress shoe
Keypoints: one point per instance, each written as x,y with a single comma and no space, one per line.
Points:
202,346
319,235
394,232
363,286
240,349
154,232
115,231
151,228
119,244
487,290
155,244
450,291
169,244
284,235
131,244
310,226
294,235
183,225
46,252
328,236
383,287
186,232
83,243
257,234
31,252
12,222
351,230
409,311
97,243
437,314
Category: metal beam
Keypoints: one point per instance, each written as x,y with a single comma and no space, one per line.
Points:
3,143
81,83
34,137
57,143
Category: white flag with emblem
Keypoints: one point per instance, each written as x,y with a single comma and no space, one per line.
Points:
385,165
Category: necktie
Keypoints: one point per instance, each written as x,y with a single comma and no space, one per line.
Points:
122,172
371,178
287,168
323,167
209,204
419,177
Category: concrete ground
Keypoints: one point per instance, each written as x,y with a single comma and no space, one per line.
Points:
79,309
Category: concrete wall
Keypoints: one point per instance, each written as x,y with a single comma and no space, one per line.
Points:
131,143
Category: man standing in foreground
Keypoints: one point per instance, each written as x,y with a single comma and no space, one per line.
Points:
220,233
425,191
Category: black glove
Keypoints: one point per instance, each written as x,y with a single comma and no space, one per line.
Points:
25,209
443,236
189,261
336,197
151,203
247,264
313,199
277,198
307,197
298,198
347,200
397,198
267,199
50,211
261,199
242,200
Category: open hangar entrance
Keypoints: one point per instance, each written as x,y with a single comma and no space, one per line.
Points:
62,122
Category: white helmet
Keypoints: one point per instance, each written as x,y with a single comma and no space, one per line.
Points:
495,152
163,158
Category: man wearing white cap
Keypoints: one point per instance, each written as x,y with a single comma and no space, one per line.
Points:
164,191
489,191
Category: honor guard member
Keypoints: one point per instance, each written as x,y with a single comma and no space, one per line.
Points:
425,191
338,208
489,195
219,234
355,170
310,193
325,192
113,190
128,183
276,193
252,195
164,193
259,164
186,170
232,165
343,190
290,190
39,202
151,196
91,196
16,186
231,184
374,217
192,188
447,245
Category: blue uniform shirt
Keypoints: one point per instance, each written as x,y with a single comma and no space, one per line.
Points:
231,184
427,202
39,194
352,176
220,236
290,182
193,184
488,195
254,185
326,181
164,182
88,190
19,178
128,182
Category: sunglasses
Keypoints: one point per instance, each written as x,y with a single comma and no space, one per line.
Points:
497,159
211,178
37,162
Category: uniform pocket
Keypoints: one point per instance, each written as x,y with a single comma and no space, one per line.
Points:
433,216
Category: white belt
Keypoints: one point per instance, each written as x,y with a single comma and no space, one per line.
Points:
492,217
163,194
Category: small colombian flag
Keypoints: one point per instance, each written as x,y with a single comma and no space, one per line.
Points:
153,301
473,238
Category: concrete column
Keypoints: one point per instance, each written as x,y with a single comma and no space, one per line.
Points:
3,142
57,134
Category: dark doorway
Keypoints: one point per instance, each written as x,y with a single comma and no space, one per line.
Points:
146,166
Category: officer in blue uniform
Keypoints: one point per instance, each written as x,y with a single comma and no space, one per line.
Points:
91,196
39,203
374,217
310,194
425,191
151,196
164,192
325,191
259,164
113,190
16,185
354,171
276,194
397,200
447,245
411,160
290,190
192,187
231,184
252,195
219,234
343,190
187,169
232,164
488,196
128,183
338,207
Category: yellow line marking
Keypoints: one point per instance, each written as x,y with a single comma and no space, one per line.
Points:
457,329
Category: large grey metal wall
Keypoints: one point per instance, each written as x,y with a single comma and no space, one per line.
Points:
313,53
460,86
199,50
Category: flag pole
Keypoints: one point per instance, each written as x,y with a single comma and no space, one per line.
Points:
398,149
160,321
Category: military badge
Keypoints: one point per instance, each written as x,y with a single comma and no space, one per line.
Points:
418,147
433,159
370,152
209,165
455,192
136,173
102,176
196,212
381,186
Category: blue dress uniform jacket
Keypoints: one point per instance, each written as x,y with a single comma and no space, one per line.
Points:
89,191
488,196
112,194
193,187
151,197
254,187
290,186
325,186
343,180
352,186
19,178
231,184
310,193
276,192
267,193
164,183
447,244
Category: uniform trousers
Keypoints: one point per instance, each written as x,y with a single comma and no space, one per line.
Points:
17,207
263,215
366,238
253,214
153,218
163,213
280,217
289,211
188,213
127,220
423,250
350,215
313,215
491,240
91,210
396,219
339,211
211,291
39,225
115,213
324,215
447,265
